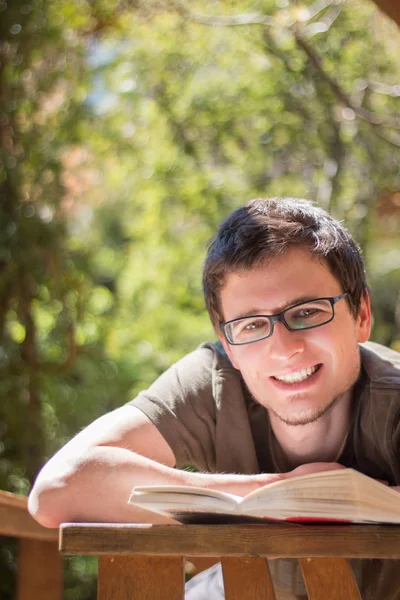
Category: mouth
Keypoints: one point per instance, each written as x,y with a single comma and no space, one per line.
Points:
297,376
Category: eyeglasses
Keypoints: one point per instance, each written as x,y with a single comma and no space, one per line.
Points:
305,315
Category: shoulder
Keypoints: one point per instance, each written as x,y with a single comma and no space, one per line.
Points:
195,373
207,359
208,354
381,365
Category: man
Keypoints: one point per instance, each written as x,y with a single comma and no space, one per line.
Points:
287,390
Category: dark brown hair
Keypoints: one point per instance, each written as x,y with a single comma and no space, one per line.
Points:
267,227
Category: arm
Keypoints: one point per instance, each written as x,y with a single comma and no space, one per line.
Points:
90,478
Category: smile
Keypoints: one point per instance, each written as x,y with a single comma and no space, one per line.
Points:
297,376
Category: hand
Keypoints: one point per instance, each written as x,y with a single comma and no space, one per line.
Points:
309,468
241,485
318,467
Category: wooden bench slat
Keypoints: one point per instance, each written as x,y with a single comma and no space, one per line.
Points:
280,540
40,565
40,570
141,578
17,522
329,578
247,578
13,500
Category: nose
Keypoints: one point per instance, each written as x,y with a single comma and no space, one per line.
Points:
285,344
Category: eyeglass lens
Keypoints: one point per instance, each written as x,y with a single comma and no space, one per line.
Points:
303,316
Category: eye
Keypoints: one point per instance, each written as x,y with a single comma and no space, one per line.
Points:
254,325
305,313
247,327
309,315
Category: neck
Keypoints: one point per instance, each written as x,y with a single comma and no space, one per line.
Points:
320,441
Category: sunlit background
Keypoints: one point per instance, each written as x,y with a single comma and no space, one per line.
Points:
129,130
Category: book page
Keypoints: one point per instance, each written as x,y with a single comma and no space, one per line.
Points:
165,499
343,494
187,490
294,485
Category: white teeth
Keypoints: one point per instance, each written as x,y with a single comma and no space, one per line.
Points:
297,375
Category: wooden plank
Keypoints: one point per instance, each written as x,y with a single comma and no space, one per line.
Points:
40,571
278,540
15,521
329,578
247,578
14,500
141,578
197,564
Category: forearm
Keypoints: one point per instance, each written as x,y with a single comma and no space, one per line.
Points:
95,487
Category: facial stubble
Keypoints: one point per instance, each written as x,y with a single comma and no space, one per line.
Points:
306,417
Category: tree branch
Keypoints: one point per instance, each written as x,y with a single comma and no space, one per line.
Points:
360,112
244,19
390,137
319,5
34,442
384,88
258,19
323,25
233,21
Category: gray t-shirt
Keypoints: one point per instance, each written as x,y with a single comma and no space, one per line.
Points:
205,412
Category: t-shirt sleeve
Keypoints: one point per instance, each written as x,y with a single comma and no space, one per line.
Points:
181,405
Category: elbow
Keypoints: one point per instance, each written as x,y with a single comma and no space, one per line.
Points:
42,516
44,505
51,499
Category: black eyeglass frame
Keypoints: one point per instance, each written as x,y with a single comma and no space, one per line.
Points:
280,318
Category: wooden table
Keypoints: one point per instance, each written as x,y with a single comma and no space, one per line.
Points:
146,562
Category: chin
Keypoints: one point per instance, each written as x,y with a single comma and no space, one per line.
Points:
306,416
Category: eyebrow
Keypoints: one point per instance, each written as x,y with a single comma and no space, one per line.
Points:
254,312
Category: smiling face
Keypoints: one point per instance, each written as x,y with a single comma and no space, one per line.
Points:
297,375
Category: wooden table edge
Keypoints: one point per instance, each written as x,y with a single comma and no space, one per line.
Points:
278,540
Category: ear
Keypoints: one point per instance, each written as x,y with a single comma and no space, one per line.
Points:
228,349
364,319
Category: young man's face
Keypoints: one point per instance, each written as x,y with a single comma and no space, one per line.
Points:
330,351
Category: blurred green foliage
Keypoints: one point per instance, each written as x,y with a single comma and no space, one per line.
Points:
128,130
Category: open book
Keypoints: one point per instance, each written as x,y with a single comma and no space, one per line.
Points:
342,495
